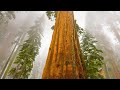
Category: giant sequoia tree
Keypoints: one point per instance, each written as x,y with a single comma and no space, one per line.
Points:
64,59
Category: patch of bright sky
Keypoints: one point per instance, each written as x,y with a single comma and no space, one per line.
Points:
110,35
118,25
80,17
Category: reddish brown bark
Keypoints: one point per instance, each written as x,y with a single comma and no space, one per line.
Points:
64,57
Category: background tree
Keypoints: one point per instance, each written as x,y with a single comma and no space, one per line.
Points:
106,31
92,55
6,36
23,63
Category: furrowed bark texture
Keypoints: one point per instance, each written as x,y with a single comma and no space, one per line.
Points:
64,59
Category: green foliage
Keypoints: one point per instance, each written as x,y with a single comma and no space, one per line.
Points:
51,14
23,63
77,28
91,54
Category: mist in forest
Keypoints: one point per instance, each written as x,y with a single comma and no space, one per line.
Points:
103,25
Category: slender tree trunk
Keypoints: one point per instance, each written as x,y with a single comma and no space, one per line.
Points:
64,57
12,57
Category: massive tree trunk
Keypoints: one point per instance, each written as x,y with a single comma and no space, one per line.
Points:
64,59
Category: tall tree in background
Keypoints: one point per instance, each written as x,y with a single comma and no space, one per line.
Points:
5,37
92,54
23,63
108,24
64,59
